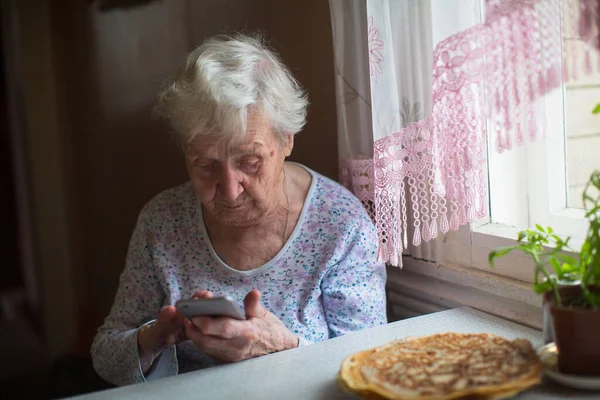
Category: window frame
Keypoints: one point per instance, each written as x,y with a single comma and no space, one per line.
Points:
547,163
528,175
523,191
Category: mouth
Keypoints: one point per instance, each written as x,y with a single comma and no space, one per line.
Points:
231,208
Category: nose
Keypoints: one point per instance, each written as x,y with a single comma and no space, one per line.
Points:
230,184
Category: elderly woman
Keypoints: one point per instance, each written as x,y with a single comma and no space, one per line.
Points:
295,248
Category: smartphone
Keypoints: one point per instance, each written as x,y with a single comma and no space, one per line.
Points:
215,307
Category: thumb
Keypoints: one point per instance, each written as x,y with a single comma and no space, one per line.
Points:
252,305
202,294
167,320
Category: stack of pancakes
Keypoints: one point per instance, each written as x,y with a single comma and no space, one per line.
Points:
443,366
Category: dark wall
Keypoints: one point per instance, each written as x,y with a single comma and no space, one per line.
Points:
111,64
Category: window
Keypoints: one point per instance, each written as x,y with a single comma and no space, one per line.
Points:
543,182
540,182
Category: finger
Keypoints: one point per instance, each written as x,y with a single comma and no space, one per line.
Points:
200,321
221,349
252,305
202,294
180,336
168,324
192,333
166,318
179,318
229,350
222,327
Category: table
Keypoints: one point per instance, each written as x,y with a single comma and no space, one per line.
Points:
309,372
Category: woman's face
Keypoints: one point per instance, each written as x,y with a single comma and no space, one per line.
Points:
237,179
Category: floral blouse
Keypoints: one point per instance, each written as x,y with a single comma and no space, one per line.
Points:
323,283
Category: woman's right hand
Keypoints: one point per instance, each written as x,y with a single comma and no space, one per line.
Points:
167,330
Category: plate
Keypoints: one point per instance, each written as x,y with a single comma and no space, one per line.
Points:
549,356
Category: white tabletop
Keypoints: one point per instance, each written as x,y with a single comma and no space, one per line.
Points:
309,372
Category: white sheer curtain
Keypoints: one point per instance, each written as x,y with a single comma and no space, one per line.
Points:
355,141
384,57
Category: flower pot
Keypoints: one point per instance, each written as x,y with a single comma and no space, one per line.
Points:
576,333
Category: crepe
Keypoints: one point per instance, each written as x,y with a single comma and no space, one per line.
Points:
442,367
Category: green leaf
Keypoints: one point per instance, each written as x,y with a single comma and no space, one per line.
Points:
550,230
557,267
596,109
586,247
542,287
528,250
540,228
502,251
567,268
557,239
593,211
567,260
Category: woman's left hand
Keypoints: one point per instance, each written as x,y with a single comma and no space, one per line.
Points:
231,340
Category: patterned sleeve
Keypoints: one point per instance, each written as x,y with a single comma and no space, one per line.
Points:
138,300
354,289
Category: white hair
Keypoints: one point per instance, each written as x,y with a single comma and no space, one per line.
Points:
221,80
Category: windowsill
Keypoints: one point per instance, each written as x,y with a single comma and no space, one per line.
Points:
463,276
421,287
491,236
495,234
471,248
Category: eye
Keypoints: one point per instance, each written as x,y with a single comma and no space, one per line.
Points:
250,164
204,164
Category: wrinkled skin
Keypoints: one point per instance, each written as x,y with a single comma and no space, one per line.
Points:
240,184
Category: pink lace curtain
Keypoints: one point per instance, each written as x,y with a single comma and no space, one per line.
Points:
424,85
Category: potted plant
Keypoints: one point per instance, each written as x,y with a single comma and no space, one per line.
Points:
570,285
